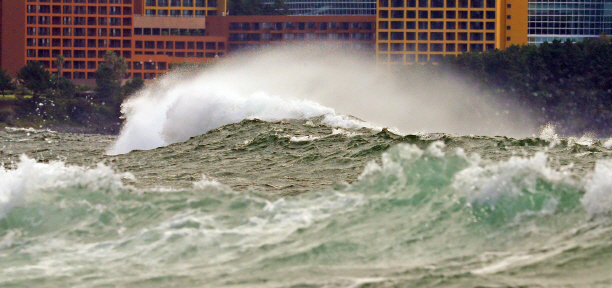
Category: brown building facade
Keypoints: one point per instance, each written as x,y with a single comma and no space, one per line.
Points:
253,32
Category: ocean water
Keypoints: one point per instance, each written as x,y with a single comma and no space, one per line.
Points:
244,186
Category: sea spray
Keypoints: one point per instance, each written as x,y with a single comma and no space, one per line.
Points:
301,83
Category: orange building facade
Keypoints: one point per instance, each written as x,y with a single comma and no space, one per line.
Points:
412,31
160,41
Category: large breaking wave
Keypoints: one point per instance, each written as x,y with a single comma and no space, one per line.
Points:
303,82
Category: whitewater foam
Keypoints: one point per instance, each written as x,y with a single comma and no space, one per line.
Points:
22,184
598,196
486,182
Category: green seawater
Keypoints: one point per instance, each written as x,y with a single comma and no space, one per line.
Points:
296,203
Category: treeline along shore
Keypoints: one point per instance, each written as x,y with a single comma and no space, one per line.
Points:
564,83
38,99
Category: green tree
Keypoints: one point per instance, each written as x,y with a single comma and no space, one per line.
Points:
109,75
132,86
106,81
64,87
6,81
34,77
59,63
117,64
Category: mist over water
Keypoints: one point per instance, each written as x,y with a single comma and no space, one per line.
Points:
306,81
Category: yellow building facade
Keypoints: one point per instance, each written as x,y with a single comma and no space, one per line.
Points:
418,31
184,8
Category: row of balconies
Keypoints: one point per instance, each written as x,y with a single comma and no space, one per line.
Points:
79,21
70,9
78,43
279,26
245,37
73,54
435,36
176,3
124,2
79,32
427,14
474,4
179,45
434,47
181,54
435,25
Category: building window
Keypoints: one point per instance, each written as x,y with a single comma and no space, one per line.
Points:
477,3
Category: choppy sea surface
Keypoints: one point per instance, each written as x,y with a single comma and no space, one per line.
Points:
299,203
244,175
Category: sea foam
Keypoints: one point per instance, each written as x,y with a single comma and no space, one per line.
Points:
22,184
598,196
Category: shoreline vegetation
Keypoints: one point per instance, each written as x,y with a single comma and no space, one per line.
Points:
38,99
565,84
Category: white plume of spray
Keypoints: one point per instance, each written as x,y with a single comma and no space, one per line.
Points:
302,82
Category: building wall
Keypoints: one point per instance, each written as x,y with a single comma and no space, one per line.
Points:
253,32
80,30
410,31
153,55
514,15
13,35
169,22
329,7
184,8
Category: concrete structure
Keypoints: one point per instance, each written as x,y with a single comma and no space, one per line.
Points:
426,30
568,19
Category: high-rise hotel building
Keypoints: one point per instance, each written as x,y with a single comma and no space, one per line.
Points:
152,34
410,31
